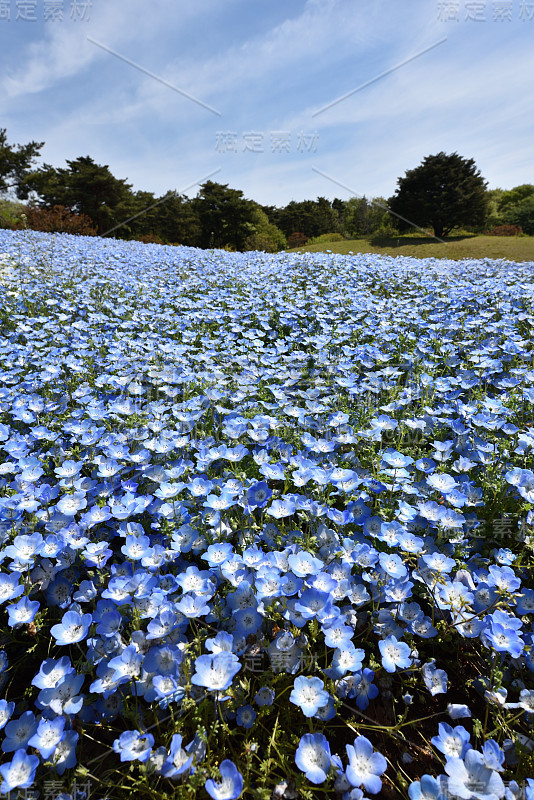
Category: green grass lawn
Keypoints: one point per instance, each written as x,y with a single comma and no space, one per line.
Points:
513,248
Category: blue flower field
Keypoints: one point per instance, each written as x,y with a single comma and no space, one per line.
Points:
266,524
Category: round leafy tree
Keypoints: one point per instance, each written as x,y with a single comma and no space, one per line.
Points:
444,191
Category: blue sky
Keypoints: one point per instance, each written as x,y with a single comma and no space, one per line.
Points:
266,69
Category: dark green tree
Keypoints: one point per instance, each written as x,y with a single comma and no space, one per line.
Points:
86,188
361,216
265,236
444,192
522,214
15,163
226,217
177,221
143,219
310,217
515,196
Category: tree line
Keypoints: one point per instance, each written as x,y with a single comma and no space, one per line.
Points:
446,192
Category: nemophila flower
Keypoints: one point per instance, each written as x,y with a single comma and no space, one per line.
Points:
19,731
216,672
178,761
247,622
70,504
52,671
245,716
428,788
346,659
435,679
364,690
9,586
223,642
484,597
268,582
365,765
24,548
327,712
526,700
493,755
526,485
313,757
134,746
392,565
164,689
411,543
503,578
219,502
396,591
264,696
338,635
259,494
69,469
302,564
97,554
504,618
163,659
451,741
23,612
235,570
313,603
442,482
193,606
95,516
194,580
458,711
231,785
471,778
6,712
395,654
48,735
216,554
524,601
279,509
63,698
453,595
395,459
136,547
504,640
309,695
73,628
19,772
127,664
470,627
58,592
110,623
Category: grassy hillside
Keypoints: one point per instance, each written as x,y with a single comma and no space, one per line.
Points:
513,248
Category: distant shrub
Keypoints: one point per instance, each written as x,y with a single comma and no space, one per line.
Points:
56,220
10,213
385,231
326,237
296,239
261,242
149,238
505,230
